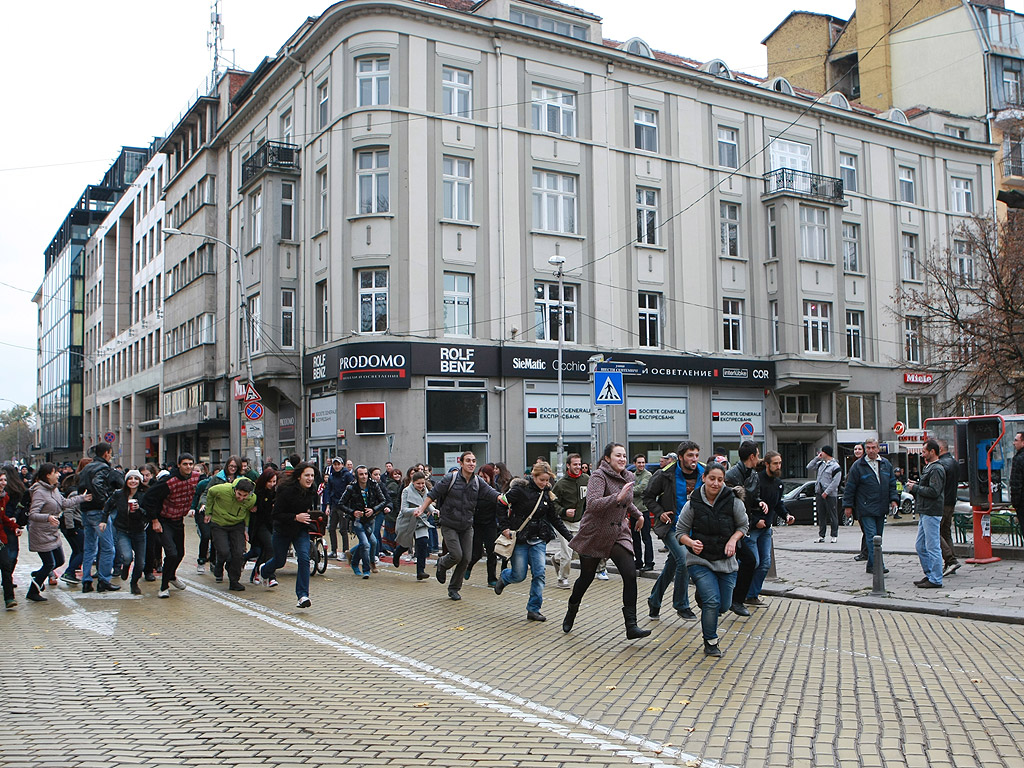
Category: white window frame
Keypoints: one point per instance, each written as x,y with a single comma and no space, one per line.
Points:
372,295
854,334
773,311
851,248
256,218
645,129
907,184
254,324
458,304
373,81
555,202
548,23
649,317
321,296
287,318
456,92
912,351
963,262
287,127
914,410
910,268
729,229
773,234
287,210
1011,86
647,216
545,303
728,147
732,325
961,195
861,405
813,233
848,171
793,155
553,111
373,181
323,104
323,201
457,188
817,322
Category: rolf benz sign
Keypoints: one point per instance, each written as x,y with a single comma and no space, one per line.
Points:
389,365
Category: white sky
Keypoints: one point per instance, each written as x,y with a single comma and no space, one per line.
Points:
83,79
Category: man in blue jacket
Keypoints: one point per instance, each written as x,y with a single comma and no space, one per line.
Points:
871,490
335,483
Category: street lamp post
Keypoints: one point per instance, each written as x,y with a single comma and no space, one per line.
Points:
244,308
558,262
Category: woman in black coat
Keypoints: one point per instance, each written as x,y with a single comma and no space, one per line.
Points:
294,508
261,521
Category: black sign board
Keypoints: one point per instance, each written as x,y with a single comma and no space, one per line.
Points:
375,365
455,360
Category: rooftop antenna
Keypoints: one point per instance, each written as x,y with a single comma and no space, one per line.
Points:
215,38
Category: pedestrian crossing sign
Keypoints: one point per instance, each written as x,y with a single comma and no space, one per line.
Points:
608,388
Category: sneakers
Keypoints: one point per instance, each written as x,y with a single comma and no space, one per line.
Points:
564,584
603,575
686,613
950,568
753,601
355,567
499,586
453,595
218,579
442,575
920,581
332,555
421,576
200,568
834,539
860,558
535,616
821,540
271,583
177,584
712,649
135,588
304,602
653,613
872,570
147,577
255,579
164,593
69,578
928,585
11,604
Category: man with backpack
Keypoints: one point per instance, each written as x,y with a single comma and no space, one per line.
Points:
100,480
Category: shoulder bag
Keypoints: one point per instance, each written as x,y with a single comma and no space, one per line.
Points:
504,545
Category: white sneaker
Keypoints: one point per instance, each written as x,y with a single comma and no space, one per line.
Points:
304,602
271,583
564,584
200,568
603,575
177,584
164,593
821,539
834,539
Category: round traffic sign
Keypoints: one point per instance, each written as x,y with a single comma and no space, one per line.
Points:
899,427
747,429
253,411
109,437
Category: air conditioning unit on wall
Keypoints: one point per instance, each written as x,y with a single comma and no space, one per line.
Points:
209,411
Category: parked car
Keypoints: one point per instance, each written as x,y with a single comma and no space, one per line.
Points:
799,501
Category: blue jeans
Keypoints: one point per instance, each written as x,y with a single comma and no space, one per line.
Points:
715,590
378,523
74,537
95,539
132,548
367,546
674,570
760,543
929,547
872,526
300,541
534,556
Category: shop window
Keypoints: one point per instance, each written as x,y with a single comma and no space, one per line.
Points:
456,411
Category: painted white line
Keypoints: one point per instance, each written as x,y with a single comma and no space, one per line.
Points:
564,724
100,622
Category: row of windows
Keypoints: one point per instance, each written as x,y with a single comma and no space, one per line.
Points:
203,192
129,361
202,261
255,330
146,300
189,335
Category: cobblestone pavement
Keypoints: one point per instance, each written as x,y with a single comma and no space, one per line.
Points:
389,672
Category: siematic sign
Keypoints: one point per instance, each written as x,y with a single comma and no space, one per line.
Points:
389,365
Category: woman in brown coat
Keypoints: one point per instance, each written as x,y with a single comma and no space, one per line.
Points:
606,531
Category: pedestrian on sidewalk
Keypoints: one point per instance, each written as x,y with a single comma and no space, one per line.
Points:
606,531
928,493
665,496
294,506
951,467
643,543
826,486
571,503
710,526
1017,478
531,511
261,521
485,529
335,484
363,502
71,526
9,532
129,525
99,480
48,504
413,527
762,518
167,504
862,556
456,496
227,512
743,474
871,492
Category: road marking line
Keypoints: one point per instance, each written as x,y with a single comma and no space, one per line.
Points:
100,622
460,686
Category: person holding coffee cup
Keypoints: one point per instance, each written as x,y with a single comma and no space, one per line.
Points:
130,524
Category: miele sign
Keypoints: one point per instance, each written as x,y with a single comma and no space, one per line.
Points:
918,378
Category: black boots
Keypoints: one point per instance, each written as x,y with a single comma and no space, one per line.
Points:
33,594
106,586
633,632
570,616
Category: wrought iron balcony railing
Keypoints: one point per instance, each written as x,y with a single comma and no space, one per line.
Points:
271,155
786,180
1012,167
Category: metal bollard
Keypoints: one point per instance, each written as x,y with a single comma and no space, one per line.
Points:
878,582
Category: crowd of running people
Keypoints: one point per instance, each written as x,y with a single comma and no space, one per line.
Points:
129,527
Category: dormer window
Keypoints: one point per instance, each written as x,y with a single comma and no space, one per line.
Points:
637,47
779,85
836,99
718,68
548,23
895,115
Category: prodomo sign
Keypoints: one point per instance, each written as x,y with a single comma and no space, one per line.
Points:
381,365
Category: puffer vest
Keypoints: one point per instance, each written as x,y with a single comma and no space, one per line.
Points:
713,525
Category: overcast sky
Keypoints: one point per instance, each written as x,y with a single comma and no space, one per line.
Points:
83,79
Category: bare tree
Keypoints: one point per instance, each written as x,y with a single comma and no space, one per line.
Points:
16,434
969,312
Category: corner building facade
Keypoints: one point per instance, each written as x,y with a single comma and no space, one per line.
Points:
398,176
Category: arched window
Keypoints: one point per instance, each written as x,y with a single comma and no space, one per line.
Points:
637,47
837,100
718,68
895,115
779,85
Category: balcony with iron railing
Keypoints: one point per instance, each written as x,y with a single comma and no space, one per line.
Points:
1012,171
272,155
786,181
